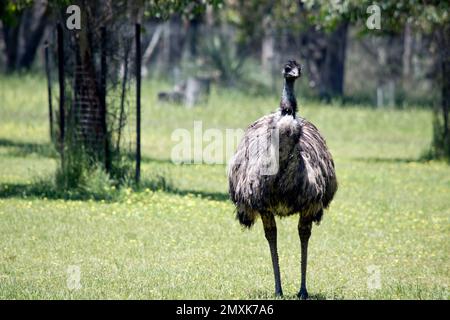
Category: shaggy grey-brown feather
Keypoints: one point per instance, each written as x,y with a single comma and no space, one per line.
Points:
305,181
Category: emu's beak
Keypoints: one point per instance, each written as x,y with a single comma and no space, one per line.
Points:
294,73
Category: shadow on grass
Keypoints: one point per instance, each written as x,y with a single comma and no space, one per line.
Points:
47,189
146,159
391,160
160,183
270,296
216,196
23,149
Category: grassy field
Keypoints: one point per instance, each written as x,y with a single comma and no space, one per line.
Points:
391,213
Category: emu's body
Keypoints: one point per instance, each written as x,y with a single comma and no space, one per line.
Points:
303,182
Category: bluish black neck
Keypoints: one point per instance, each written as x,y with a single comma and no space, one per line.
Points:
288,103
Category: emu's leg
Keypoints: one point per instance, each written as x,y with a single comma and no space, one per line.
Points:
304,231
270,230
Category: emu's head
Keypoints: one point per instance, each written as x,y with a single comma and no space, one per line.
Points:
292,70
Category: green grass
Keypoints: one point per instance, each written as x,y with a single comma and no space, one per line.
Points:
391,211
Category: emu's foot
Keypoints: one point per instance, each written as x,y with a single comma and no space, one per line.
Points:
302,294
279,293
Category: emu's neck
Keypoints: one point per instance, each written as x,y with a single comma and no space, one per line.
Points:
288,103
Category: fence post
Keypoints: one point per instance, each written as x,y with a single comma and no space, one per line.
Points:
49,90
122,98
104,72
138,102
60,38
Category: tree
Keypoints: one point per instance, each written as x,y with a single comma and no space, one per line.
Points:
87,143
427,17
24,23
265,25
324,54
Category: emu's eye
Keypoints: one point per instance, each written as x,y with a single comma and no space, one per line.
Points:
287,69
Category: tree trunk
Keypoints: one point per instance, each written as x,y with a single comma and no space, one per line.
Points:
32,36
268,45
333,70
193,37
22,39
407,51
88,107
324,56
11,36
444,50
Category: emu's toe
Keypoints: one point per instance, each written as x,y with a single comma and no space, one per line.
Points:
302,294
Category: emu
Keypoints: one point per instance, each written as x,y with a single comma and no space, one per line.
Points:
303,182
